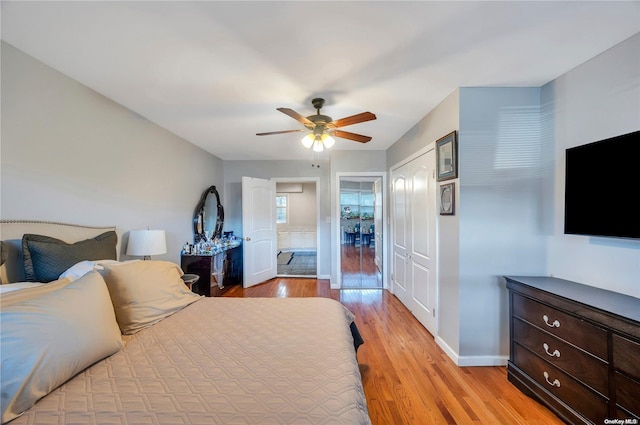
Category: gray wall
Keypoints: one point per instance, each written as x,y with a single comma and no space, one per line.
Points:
510,194
301,208
597,100
72,155
235,170
503,166
372,163
439,122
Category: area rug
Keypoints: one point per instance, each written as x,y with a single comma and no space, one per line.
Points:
284,258
300,264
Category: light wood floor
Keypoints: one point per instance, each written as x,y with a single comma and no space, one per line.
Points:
358,267
407,378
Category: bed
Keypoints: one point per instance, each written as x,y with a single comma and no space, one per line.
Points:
128,343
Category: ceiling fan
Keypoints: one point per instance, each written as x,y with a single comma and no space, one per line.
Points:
323,128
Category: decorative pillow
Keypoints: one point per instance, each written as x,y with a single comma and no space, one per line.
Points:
45,258
3,253
50,338
145,292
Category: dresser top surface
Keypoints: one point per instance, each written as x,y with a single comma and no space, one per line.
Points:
608,301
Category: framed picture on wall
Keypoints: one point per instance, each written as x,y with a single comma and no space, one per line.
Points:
447,157
447,199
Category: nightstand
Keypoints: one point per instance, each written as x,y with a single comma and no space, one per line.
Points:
190,279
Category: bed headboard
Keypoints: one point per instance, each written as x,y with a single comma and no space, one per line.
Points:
11,232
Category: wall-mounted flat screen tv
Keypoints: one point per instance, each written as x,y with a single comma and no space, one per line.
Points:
602,188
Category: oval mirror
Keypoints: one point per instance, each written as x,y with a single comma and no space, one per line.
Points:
208,217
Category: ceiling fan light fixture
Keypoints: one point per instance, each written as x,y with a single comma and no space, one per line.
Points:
307,141
318,145
328,141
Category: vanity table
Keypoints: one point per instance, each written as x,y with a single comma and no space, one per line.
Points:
217,270
222,266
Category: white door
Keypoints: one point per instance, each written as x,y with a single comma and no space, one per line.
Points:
399,252
414,238
423,240
259,230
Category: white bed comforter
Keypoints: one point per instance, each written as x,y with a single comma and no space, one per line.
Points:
223,361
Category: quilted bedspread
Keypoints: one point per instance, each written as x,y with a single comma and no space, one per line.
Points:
223,361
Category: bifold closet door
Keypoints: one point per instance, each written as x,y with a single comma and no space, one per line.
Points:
414,241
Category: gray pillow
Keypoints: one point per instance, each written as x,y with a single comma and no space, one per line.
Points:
46,258
3,253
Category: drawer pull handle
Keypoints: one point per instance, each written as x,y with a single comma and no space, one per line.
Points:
556,353
555,323
555,383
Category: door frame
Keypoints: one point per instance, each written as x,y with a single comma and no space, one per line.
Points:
315,180
337,237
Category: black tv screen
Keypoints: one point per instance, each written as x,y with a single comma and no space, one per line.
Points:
602,188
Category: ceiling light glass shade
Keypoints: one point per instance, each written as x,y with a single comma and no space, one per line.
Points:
318,146
328,141
307,141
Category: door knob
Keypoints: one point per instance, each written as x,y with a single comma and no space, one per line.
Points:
247,239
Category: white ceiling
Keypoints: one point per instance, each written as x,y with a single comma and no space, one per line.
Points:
214,72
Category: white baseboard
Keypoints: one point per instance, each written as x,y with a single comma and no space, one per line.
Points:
464,361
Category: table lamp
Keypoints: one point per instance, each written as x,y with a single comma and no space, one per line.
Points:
146,243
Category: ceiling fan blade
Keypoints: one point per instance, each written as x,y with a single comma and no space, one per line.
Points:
354,119
296,116
351,136
280,132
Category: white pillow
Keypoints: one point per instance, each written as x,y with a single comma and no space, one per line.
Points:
48,339
145,292
83,267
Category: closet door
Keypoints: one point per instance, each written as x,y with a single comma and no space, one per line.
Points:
423,240
414,238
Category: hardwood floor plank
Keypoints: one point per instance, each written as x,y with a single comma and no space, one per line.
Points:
407,378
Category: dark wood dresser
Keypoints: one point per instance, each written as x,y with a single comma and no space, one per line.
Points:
217,271
575,348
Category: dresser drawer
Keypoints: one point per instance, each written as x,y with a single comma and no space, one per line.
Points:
628,393
561,385
588,369
626,356
571,329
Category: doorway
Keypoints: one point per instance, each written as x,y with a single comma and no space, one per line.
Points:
361,229
297,228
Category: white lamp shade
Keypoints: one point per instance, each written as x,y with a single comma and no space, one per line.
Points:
146,242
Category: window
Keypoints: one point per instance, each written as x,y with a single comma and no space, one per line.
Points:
281,209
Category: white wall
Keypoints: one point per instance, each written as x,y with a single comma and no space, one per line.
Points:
69,154
595,101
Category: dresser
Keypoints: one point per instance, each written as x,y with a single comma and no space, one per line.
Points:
217,271
575,348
